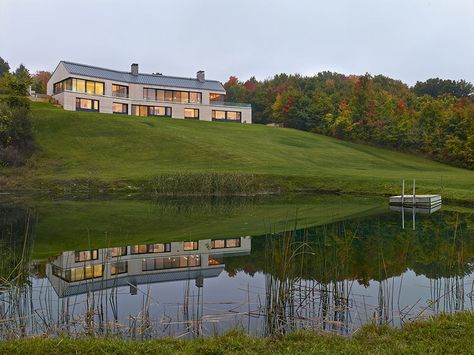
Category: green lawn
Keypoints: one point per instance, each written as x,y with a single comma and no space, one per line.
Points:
441,335
132,150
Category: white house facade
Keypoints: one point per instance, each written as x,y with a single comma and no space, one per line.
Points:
80,87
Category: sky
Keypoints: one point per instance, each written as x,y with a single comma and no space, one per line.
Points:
409,40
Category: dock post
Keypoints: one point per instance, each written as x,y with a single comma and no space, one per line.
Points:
403,191
414,192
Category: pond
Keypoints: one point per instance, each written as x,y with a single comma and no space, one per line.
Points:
194,267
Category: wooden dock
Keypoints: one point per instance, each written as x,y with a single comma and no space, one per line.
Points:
422,201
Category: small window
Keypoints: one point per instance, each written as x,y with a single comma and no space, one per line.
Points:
191,113
119,108
90,87
190,246
168,95
118,268
160,95
149,94
195,97
87,105
99,88
119,90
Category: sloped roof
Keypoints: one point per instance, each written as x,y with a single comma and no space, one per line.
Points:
144,79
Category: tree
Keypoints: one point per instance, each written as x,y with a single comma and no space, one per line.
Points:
4,66
40,81
436,87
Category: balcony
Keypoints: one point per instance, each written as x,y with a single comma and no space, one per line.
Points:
229,104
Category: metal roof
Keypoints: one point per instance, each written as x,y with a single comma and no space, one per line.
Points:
144,79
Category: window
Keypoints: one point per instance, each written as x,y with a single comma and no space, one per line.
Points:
195,97
171,96
118,107
185,97
99,88
119,90
233,116
79,273
190,246
141,110
218,115
85,255
150,248
80,85
159,111
90,87
225,243
171,262
118,251
87,105
168,95
214,261
216,97
191,113
149,94
120,267
160,95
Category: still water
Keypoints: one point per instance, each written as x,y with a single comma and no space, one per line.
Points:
189,268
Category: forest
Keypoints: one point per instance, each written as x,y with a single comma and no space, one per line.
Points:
434,118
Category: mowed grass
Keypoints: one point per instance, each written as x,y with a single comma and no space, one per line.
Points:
110,148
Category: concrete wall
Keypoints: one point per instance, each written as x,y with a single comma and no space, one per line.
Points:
68,98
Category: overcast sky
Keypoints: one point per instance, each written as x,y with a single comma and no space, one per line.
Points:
406,39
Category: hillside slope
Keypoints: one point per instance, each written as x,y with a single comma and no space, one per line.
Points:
112,148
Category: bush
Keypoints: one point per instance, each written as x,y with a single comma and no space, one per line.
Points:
16,134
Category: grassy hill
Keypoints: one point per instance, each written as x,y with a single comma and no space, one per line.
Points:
113,150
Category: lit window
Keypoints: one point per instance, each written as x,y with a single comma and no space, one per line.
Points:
191,113
118,107
118,251
190,246
160,95
85,255
120,267
218,115
195,97
119,90
99,88
90,87
225,243
87,105
150,248
80,85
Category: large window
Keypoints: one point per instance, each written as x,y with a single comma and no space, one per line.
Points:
233,116
79,273
172,96
119,90
87,104
118,107
225,243
216,97
85,255
142,110
150,248
80,85
191,113
175,262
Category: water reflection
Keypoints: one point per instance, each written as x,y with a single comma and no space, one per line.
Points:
333,277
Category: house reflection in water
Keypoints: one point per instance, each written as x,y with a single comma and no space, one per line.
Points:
77,272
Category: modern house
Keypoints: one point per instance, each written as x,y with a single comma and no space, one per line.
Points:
78,272
87,88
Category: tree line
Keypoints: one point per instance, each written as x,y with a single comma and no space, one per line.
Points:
434,118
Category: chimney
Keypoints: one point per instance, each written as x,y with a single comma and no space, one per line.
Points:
134,69
200,76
